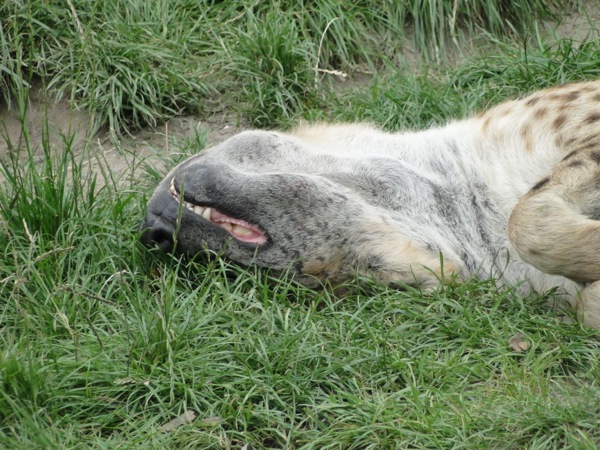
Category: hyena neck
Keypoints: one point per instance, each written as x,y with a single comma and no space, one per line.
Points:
472,185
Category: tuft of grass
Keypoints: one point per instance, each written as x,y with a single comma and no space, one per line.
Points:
401,100
514,69
274,69
437,24
135,63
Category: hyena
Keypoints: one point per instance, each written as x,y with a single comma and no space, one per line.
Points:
512,193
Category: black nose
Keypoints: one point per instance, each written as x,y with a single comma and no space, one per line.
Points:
156,233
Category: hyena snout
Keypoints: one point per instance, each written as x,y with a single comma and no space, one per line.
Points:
157,233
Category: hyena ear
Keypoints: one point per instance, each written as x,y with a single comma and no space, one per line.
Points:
396,260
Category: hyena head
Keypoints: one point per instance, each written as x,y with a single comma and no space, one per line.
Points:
272,200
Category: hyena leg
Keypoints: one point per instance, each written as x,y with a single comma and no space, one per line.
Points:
556,226
588,305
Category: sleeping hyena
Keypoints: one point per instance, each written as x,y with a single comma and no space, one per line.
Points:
513,193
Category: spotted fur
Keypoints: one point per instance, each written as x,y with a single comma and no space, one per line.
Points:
512,193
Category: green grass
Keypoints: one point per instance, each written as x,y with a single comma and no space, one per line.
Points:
136,63
102,342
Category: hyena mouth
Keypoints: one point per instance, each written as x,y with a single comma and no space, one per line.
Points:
238,228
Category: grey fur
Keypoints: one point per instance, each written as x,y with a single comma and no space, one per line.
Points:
313,205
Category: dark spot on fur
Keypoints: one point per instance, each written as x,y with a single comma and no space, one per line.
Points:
559,121
595,155
596,97
577,163
560,141
592,118
592,138
374,262
540,184
570,155
588,146
527,137
573,95
593,212
323,225
540,113
532,101
566,96
452,146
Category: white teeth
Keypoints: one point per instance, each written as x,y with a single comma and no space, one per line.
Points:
239,230
205,212
200,210
172,189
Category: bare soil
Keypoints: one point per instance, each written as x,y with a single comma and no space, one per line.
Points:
56,122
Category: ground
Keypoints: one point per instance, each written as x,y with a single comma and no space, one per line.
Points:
123,153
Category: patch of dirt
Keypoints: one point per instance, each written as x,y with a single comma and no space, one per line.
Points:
54,123
581,26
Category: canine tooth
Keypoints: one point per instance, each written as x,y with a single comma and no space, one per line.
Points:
172,190
189,205
226,225
237,229
206,213
198,210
